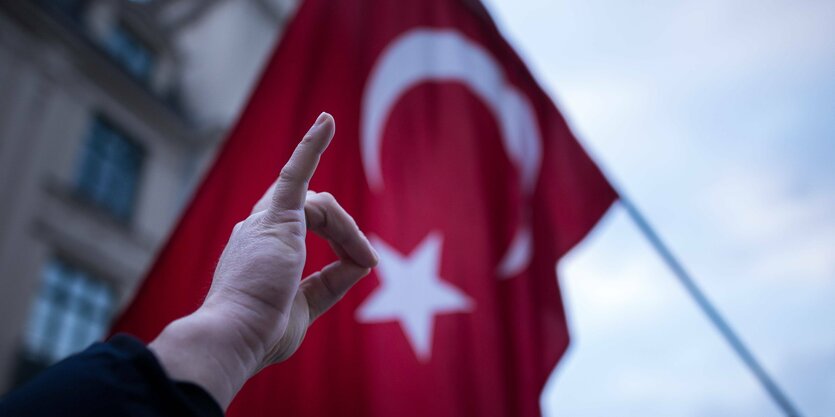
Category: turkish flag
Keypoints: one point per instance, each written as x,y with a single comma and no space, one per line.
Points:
467,181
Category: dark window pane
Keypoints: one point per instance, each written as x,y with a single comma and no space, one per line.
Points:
110,168
134,55
71,311
70,8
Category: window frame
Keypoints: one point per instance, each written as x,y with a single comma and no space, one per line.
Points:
72,308
123,32
100,176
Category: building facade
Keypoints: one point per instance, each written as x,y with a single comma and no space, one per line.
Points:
109,113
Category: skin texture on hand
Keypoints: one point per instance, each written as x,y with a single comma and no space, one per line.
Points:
258,308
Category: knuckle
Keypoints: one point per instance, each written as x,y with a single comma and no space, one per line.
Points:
290,174
284,217
328,198
286,173
256,218
316,217
327,285
330,290
306,140
238,226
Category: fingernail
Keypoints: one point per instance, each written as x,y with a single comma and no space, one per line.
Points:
374,253
321,119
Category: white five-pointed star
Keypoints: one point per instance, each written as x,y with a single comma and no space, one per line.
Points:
412,293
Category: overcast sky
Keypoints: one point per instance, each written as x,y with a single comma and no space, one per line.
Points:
718,118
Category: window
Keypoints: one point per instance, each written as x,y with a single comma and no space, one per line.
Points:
71,311
70,8
110,169
134,55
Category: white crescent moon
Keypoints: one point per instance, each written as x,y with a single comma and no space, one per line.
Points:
424,55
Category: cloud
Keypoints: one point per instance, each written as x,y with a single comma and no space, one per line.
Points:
788,235
618,293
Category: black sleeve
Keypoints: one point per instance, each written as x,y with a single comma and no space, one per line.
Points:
118,378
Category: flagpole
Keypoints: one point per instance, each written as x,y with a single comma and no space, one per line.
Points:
710,311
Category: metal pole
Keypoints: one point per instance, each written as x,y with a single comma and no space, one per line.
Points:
707,307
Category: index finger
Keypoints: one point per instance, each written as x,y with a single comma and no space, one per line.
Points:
292,183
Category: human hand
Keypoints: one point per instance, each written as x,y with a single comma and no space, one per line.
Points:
258,309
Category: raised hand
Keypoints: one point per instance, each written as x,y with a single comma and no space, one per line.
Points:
258,308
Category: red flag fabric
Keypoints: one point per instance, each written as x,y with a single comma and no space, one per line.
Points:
463,174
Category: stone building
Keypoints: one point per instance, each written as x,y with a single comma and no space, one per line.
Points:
109,113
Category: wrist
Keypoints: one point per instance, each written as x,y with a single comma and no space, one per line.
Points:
201,349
